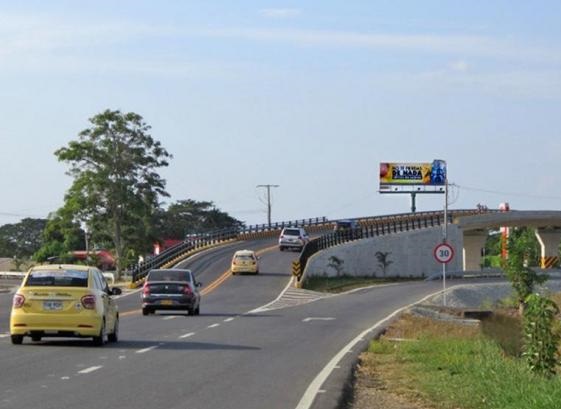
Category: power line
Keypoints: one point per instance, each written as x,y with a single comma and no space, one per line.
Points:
498,192
19,215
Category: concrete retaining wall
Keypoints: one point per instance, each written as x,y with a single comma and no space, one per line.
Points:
411,254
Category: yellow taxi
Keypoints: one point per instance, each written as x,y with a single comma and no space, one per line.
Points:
245,261
64,301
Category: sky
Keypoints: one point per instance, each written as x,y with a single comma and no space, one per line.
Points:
308,95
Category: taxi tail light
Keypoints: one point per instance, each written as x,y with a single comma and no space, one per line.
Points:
18,301
187,290
88,301
146,290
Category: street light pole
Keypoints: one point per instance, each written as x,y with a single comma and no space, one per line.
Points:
85,229
268,187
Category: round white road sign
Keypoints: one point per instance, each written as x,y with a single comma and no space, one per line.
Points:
443,253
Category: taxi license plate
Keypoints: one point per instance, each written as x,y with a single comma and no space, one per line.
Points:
166,302
52,305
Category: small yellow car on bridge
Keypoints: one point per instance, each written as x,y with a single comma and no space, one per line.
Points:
245,261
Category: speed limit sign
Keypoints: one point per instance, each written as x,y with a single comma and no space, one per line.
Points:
443,253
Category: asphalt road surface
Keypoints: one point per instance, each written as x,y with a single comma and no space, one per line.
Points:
249,348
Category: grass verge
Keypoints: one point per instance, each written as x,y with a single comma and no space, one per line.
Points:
449,366
346,283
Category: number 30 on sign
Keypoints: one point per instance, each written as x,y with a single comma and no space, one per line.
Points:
443,253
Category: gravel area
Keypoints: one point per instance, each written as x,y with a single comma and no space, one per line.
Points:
480,295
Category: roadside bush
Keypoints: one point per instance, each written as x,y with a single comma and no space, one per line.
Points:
541,340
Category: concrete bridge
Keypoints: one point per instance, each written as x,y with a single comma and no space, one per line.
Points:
411,252
475,230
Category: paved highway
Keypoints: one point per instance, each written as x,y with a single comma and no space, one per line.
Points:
248,349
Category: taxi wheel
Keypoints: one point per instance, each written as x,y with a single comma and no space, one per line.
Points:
114,336
100,339
198,310
17,339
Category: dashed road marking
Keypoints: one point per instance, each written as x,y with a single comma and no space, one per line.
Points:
229,319
318,319
169,317
90,369
190,334
213,326
144,350
6,335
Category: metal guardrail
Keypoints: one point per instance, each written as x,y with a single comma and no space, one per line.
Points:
203,240
377,226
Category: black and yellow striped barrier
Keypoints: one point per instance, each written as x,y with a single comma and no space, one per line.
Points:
549,261
296,268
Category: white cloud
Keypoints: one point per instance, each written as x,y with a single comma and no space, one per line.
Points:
280,13
479,46
459,66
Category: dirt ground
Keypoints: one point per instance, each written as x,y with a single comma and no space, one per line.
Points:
370,392
371,387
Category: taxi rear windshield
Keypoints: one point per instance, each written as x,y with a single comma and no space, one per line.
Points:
244,257
57,278
292,232
168,275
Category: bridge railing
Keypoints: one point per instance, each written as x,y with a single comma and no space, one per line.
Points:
377,226
200,241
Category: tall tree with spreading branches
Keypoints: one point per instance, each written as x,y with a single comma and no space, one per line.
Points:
116,187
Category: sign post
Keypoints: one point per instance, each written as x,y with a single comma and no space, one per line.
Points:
443,253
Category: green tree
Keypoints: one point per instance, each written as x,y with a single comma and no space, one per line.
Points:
21,239
191,216
116,187
521,251
62,235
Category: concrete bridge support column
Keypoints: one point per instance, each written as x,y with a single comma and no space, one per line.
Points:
549,239
474,241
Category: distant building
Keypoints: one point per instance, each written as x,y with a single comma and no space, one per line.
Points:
104,259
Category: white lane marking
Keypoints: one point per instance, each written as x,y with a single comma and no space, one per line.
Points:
65,378
229,319
142,351
264,307
213,326
169,317
190,334
318,319
90,369
314,387
354,290
122,357
4,335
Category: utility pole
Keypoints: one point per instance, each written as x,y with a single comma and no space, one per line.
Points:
268,201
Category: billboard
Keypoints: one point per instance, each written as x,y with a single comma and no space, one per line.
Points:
424,177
